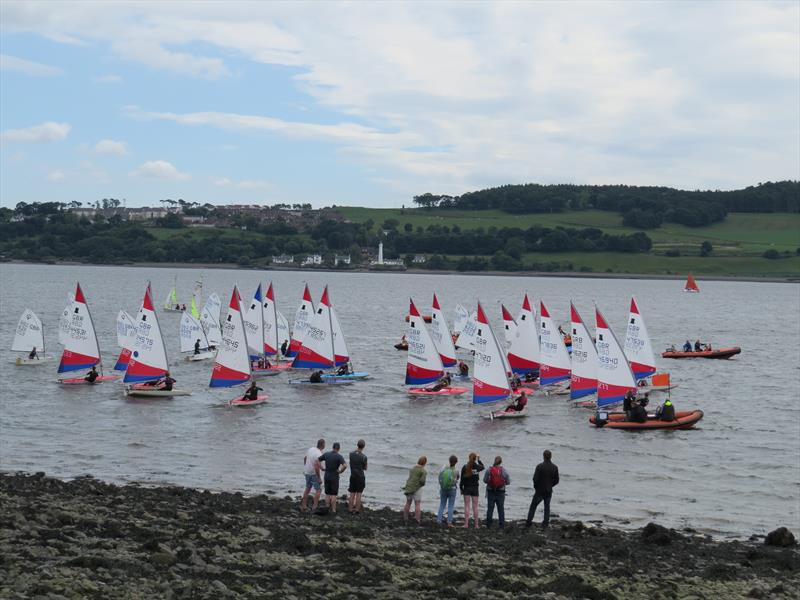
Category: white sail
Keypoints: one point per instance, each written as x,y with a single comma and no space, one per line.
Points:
554,358
339,343
461,318
126,330
209,319
149,359
424,364
509,325
614,375
272,345
583,380
466,338
63,321
491,371
317,350
190,332
638,348
523,354
171,301
29,333
284,335
254,325
440,334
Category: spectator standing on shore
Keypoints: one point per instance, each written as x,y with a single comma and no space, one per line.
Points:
448,482
545,478
358,480
470,488
311,470
413,489
335,465
496,479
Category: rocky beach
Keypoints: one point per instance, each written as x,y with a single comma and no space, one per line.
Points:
89,539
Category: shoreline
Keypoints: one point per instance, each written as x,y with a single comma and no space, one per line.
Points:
412,271
88,538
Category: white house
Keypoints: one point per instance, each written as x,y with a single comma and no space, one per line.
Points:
419,259
312,259
283,259
344,259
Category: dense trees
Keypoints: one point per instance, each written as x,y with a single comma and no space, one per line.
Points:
643,207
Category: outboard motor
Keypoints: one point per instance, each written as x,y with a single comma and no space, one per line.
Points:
600,418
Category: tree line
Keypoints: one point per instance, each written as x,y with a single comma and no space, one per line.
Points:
643,207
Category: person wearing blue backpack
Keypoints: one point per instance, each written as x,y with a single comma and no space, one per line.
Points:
448,484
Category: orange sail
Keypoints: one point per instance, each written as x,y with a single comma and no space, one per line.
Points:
691,285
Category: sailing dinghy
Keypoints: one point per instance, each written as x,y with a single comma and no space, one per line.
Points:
148,362
171,303
29,336
301,318
81,350
126,338
341,353
191,333
490,374
317,350
196,296
583,378
523,354
253,318
440,334
272,334
691,285
614,374
232,365
209,319
424,364
639,351
555,361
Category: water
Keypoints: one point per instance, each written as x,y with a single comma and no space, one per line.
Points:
737,474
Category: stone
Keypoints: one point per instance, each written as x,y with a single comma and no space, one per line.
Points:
780,537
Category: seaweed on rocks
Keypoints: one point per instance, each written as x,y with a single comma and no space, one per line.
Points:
88,539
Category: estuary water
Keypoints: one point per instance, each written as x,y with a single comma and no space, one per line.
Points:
738,473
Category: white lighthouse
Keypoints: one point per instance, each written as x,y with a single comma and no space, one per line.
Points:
380,253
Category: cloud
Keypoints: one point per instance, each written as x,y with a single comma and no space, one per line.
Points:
29,67
160,169
244,184
56,176
110,78
38,134
111,148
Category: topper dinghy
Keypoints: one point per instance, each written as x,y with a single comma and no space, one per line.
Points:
191,333
29,336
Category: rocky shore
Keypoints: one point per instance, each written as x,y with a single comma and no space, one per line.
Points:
89,539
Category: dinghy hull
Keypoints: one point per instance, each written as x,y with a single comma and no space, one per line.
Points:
719,353
683,420
81,380
241,402
448,391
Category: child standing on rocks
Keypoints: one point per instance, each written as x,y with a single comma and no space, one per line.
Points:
413,489
470,487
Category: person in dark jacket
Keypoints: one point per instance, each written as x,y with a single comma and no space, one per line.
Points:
667,411
545,478
316,377
470,484
627,403
638,412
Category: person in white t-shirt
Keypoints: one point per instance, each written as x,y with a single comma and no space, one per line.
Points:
311,470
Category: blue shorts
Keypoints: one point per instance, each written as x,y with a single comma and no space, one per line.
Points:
312,481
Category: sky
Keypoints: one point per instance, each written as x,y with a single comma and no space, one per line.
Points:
372,103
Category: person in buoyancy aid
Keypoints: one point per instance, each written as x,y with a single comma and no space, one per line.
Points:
33,354
463,368
698,347
627,404
666,412
516,382
316,377
519,404
530,377
92,375
252,392
638,413
441,384
687,347
197,347
284,347
345,369
166,383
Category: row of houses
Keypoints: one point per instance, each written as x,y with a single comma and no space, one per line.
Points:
312,260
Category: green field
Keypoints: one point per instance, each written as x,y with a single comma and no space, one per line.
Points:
739,234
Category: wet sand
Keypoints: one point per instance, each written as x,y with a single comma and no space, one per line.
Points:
89,539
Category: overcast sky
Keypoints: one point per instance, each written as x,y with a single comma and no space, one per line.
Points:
371,103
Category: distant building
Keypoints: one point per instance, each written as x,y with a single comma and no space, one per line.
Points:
386,261
283,259
312,259
344,259
146,213
419,259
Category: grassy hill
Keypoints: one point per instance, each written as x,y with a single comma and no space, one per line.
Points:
739,241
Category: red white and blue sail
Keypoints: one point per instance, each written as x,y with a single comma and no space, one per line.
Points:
440,334
148,361
232,363
270,316
254,325
317,351
584,358
424,364
489,376
509,325
342,355
554,358
126,339
523,355
301,318
190,332
614,375
638,348
81,350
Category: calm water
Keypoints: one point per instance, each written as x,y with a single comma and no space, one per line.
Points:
737,474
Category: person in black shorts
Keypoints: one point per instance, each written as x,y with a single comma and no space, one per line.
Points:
358,464
334,466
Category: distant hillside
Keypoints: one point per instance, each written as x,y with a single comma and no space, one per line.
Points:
643,207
